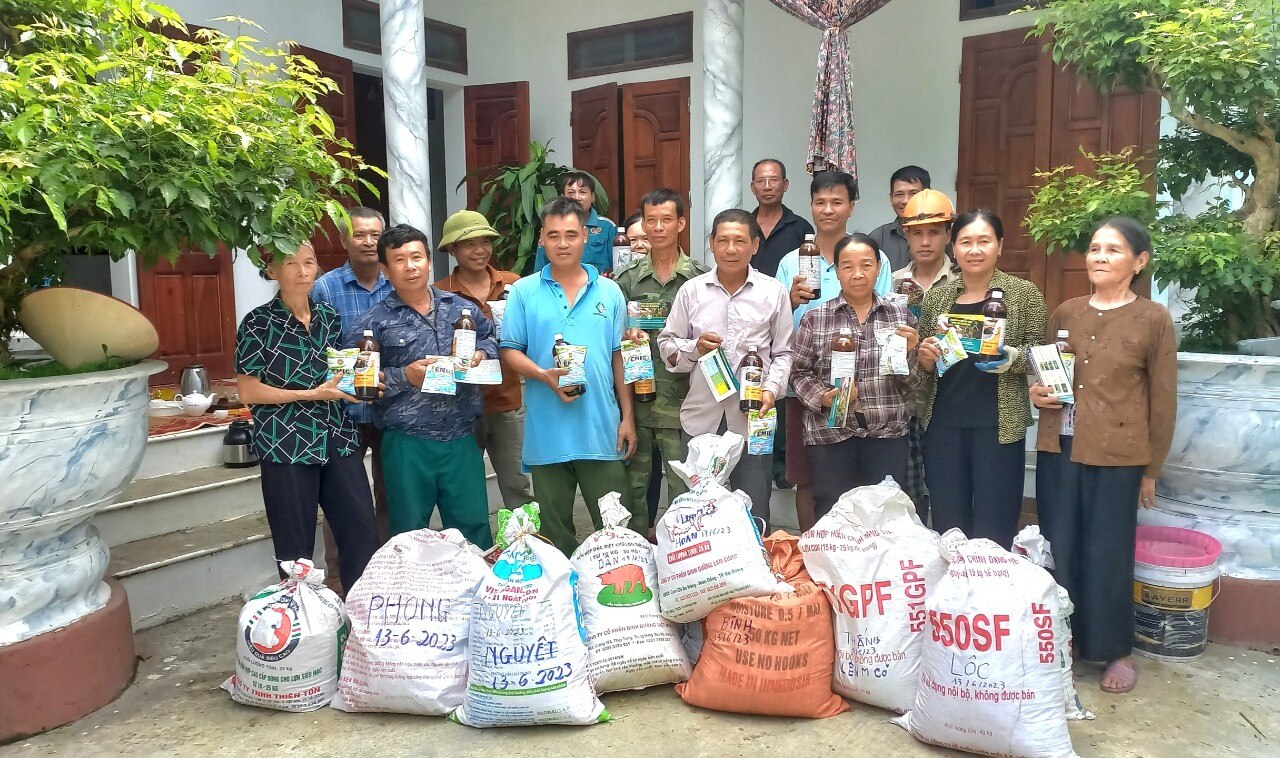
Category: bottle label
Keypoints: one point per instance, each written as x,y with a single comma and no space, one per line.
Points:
750,383
645,387
621,256
464,343
366,369
992,336
811,270
843,365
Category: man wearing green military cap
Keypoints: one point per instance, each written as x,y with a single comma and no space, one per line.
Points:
467,236
649,285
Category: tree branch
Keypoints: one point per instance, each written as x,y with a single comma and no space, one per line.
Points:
1254,147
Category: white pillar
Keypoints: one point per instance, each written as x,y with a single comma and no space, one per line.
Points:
404,84
722,67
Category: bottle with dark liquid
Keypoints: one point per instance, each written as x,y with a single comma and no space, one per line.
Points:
366,369
843,358
464,336
621,250
810,265
995,315
646,389
562,356
751,381
914,293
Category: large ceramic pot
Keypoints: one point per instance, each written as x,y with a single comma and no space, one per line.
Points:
68,446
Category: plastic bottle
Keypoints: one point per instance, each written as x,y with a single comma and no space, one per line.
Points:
368,364
914,293
994,318
1068,357
621,249
562,354
464,336
843,357
811,265
750,381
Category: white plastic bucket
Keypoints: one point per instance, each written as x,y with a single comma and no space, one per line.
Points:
1173,587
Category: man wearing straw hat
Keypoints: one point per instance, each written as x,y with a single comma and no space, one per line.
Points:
467,236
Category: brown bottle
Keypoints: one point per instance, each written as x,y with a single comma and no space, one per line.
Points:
366,368
843,357
646,391
750,381
810,265
561,357
464,336
621,249
995,315
914,293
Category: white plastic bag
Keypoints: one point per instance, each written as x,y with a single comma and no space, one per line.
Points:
289,643
878,566
410,615
709,549
529,662
1031,544
631,645
990,677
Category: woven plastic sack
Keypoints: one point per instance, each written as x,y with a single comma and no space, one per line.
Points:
289,643
631,645
529,663
709,549
410,616
878,565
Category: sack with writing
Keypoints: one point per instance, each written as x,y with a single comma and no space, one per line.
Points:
709,549
878,566
631,645
410,614
769,655
289,643
529,663
990,674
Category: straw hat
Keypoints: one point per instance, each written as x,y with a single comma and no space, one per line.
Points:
465,225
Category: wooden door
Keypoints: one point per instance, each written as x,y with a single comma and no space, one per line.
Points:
1019,113
655,143
1005,95
192,304
496,123
594,123
341,108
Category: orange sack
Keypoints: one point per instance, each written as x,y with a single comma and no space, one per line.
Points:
771,655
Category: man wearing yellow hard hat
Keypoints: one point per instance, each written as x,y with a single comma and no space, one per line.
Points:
926,223
468,237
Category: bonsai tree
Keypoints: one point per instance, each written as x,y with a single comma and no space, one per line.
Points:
514,195
122,131
1216,63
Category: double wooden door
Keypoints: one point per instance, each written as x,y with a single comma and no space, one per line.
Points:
1019,114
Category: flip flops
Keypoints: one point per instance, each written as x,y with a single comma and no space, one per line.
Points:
1126,673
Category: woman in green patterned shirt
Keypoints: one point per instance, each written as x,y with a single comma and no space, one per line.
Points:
976,414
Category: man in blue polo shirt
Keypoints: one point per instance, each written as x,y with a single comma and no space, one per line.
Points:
571,442
598,248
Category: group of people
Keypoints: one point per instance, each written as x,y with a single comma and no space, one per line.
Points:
955,440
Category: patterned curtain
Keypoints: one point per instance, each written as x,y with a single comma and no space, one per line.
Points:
831,131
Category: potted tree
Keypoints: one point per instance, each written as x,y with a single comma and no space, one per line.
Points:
1216,63
120,131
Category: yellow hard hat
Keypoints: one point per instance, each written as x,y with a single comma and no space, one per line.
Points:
928,206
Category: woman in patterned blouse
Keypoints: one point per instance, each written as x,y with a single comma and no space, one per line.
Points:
975,416
303,437
1098,463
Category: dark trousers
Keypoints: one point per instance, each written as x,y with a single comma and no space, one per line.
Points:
780,442
653,494
975,483
1089,514
370,439
855,462
291,492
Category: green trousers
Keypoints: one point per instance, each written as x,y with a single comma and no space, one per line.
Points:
556,485
422,475
640,468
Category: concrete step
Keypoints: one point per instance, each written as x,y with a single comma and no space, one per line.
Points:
171,575
182,451
170,502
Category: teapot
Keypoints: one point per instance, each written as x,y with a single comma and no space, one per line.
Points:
195,404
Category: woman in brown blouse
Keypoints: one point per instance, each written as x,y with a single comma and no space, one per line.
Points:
1098,461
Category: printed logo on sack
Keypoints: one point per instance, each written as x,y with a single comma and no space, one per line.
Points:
624,587
274,632
521,567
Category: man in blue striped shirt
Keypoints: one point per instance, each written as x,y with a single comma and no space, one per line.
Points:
352,290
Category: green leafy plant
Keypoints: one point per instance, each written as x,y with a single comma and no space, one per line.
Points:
122,131
512,197
1069,202
1216,63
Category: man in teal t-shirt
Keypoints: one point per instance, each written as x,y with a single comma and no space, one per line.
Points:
578,186
571,443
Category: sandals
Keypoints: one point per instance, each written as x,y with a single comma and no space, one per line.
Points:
1124,672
